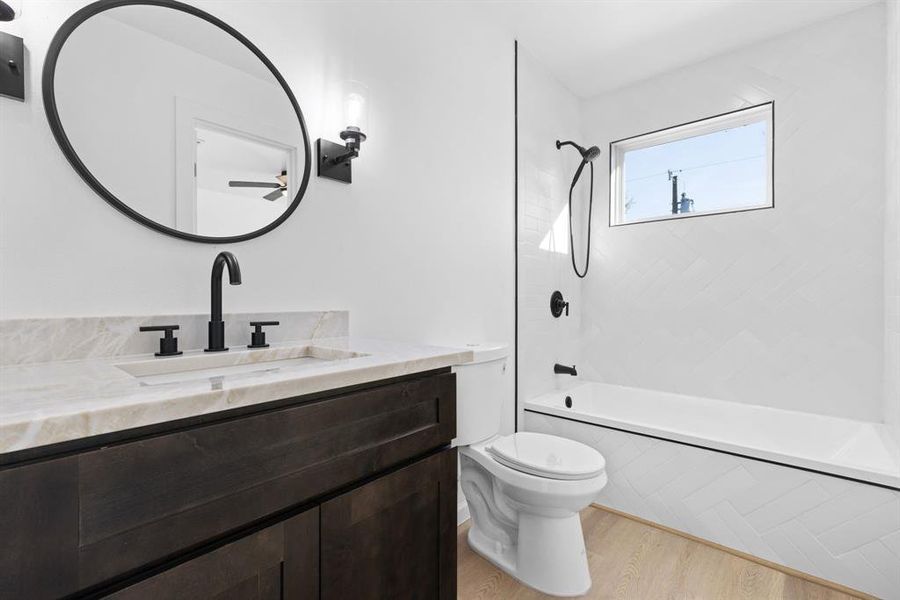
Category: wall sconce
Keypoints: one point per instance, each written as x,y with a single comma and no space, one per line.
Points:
10,9
334,159
12,55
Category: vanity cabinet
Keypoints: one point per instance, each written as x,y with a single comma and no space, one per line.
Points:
394,537
275,563
349,493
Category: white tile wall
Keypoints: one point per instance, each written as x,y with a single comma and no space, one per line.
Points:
892,221
547,112
780,307
840,530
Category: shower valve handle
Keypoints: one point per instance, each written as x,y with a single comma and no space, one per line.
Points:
558,304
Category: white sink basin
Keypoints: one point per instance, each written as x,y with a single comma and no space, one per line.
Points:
191,367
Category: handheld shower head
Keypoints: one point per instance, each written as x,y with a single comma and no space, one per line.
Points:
587,154
587,158
590,154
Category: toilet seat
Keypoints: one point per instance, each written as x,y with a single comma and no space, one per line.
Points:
546,456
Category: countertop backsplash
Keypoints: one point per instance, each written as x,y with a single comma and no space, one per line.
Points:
25,341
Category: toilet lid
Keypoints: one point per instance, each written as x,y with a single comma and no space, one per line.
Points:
547,456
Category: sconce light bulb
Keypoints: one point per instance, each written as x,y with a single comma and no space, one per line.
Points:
355,107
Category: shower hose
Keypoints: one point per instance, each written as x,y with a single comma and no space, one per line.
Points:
587,258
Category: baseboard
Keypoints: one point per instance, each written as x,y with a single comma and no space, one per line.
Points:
750,557
462,512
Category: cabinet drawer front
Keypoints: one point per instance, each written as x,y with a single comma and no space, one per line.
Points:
140,503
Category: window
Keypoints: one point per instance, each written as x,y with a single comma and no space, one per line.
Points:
716,165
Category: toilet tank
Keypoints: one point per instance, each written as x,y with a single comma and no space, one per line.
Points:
479,393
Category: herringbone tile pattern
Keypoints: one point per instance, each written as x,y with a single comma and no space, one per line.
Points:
839,530
781,307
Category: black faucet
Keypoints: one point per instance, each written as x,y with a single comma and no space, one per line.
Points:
216,324
564,370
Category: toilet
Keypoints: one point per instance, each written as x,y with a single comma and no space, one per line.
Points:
524,490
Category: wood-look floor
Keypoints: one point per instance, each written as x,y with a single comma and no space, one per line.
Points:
630,559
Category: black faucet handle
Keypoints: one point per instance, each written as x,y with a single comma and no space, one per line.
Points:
168,344
258,336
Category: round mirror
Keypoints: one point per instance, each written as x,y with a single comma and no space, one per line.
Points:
176,119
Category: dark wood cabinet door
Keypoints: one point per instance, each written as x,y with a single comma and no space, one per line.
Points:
280,562
201,483
394,537
105,514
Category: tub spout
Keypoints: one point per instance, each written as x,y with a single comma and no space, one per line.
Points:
564,370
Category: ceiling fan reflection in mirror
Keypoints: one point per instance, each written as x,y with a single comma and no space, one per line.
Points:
280,187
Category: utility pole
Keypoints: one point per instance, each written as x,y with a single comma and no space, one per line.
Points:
674,179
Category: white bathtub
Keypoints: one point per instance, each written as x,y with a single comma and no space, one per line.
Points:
817,494
843,447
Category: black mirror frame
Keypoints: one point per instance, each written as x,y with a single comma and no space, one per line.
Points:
49,94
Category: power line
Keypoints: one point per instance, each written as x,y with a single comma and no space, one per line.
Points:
724,162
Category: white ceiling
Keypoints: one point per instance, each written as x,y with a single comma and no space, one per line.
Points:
192,33
593,46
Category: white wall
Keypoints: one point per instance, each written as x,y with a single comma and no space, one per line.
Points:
547,112
419,247
221,212
892,221
780,307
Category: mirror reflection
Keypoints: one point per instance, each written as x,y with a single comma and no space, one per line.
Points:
180,121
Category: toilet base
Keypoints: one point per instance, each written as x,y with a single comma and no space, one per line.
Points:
528,526
549,555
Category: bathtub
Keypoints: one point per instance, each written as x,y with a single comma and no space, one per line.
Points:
815,493
842,447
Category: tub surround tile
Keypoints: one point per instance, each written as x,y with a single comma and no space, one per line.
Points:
789,553
666,472
844,531
892,542
25,341
845,447
750,537
713,523
645,462
779,485
51,402
860,530
736,479
755,307
780,509
881,558
843,507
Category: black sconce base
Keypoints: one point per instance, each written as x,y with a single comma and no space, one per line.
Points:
12,66
325,153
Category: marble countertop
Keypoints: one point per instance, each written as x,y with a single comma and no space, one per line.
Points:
51,402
